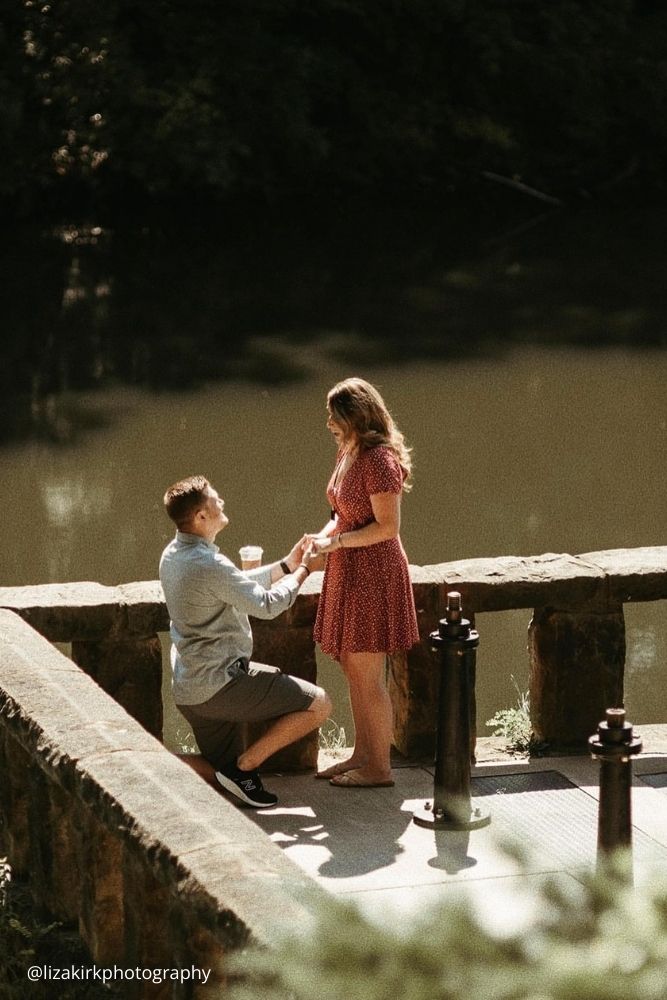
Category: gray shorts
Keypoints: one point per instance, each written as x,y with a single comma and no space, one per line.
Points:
255,693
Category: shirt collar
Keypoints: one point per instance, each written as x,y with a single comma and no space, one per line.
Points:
187,538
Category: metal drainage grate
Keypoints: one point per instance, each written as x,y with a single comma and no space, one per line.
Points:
553,818
513,784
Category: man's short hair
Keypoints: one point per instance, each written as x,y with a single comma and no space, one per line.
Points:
185,498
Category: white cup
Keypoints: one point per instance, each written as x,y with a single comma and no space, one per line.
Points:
251,556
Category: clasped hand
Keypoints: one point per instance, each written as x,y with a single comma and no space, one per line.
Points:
305,552
321,544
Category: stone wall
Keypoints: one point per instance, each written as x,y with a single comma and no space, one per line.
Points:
118,835
576,637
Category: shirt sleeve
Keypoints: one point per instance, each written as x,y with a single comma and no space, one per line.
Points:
261,575
382,472
231,585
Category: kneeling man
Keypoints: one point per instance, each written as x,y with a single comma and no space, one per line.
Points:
215,685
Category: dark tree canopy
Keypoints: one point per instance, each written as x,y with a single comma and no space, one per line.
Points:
277,97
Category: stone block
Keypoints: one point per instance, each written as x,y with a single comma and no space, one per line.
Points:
147,903
63,612
131,672
55,849
413,689
102,917
144,609
304,609
633,574
292,649
16,772
412,678
506,582
576,672
65,822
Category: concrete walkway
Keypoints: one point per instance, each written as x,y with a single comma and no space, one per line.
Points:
362,844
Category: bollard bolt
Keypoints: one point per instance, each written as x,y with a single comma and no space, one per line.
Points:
453,610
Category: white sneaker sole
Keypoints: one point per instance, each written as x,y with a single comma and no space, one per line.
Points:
231,786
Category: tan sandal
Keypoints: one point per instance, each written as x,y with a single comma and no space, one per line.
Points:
348,780
335,769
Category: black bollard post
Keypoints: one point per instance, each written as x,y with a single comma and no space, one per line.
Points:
456,642
614,745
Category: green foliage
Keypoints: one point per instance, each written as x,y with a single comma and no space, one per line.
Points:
27,941
283,96
590,939
514,725
18,941
332,737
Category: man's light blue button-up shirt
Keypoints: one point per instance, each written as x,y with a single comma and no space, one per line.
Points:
209,600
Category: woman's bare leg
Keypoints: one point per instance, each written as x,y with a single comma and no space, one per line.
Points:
359,754
371,705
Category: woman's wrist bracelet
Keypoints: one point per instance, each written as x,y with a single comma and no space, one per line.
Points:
303,566
284,567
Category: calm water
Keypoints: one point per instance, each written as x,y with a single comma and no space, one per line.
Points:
538,450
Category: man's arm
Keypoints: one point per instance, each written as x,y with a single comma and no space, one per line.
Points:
238,588
277,570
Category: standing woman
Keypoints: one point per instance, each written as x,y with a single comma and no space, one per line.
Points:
366,608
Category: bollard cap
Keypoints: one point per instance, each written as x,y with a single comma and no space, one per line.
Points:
614,728
461,632
454,627
615,717
614,735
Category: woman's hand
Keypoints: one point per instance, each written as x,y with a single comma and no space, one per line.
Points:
323,544
317,537
312,559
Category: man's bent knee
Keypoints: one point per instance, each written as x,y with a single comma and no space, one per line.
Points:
321,705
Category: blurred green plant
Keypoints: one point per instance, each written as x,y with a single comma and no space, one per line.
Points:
591,938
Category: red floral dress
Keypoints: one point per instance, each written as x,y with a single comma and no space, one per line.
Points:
366,603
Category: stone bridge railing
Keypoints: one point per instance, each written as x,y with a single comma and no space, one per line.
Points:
118,834
576,638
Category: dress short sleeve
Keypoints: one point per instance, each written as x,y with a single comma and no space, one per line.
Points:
382,471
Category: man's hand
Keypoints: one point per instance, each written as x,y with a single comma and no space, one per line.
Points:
312,558
296,554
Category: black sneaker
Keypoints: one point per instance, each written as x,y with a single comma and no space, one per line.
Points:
247,786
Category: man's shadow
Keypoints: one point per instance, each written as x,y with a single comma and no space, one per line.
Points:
361,829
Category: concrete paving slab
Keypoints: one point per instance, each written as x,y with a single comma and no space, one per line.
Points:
362,844
504,905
